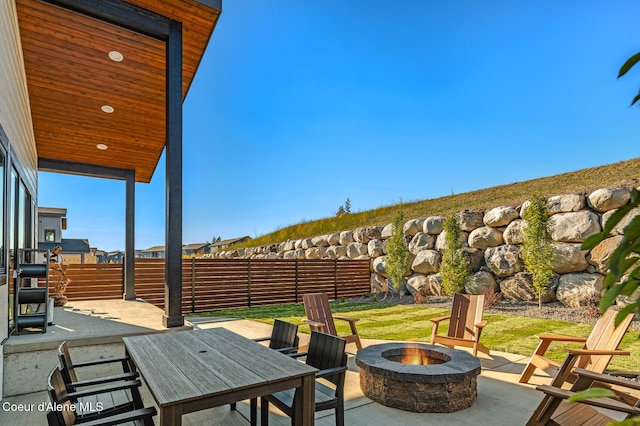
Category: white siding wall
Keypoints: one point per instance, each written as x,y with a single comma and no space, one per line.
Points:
15,113
15,117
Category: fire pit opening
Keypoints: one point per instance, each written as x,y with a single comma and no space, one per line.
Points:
418,377
415,356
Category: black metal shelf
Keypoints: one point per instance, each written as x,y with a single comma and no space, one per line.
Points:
28,319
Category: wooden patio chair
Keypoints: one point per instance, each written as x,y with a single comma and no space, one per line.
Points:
320,318
465,324
599,347
65,413
555,410
327,354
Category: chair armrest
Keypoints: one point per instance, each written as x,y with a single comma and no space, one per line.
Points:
346,318
261,339
606,378
582,352
551,337
100,361
139,414
129,384
287,351
331,371
298,354
103,380
481,324
314,324
439,319
596,402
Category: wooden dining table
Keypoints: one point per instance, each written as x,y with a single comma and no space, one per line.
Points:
188,371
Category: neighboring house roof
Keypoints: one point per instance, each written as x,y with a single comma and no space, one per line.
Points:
155,248
52,210
69,245
230,241
195,246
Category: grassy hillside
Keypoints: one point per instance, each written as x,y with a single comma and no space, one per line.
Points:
625,173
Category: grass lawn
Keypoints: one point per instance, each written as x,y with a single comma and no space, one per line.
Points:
504,333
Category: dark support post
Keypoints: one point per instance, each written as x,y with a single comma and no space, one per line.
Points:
335,279
249,282
129,292
173,316
296,280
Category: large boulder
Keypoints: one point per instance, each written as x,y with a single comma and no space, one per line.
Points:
374,232
333,239
600,254
416,283
485,237
568,257
514,234
360,235
289,245
378,283
500,216
565,203
606,199
379,265
320,241
470,220
387,231
412,227
579,289
421,241
475,257
375,248
426,262
346,238
520,287
433,225
337,251
441,240
435,285
306,243
574,227
503,260
626,220
356,249
480,283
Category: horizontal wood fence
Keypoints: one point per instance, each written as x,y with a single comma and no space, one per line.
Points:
215,284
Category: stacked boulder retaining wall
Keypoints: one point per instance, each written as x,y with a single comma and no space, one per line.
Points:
492,242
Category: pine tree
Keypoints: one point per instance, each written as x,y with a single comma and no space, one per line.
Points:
454,268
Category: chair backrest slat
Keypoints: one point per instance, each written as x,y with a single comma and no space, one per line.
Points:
317,308
604,336
327,351
466,312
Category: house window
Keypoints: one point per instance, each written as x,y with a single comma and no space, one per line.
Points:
50,235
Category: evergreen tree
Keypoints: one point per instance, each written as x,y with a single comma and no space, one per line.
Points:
454,268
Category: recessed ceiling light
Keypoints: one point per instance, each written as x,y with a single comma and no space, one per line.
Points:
101,146
116,56
107,108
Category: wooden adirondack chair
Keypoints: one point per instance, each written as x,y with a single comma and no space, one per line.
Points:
555,410
465,324
320,319
601,345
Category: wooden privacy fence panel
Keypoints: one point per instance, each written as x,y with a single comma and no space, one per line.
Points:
90,281
215,284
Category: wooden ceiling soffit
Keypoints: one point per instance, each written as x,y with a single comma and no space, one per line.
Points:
72,79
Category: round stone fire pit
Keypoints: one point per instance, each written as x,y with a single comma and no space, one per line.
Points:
418,377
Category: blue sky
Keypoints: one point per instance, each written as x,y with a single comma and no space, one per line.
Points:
298,105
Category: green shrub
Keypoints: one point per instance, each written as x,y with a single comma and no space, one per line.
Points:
454,268
537,250
397,253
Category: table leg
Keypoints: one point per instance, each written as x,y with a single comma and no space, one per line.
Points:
171,415
304,403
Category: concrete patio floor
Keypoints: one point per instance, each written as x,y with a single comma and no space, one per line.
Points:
501,400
